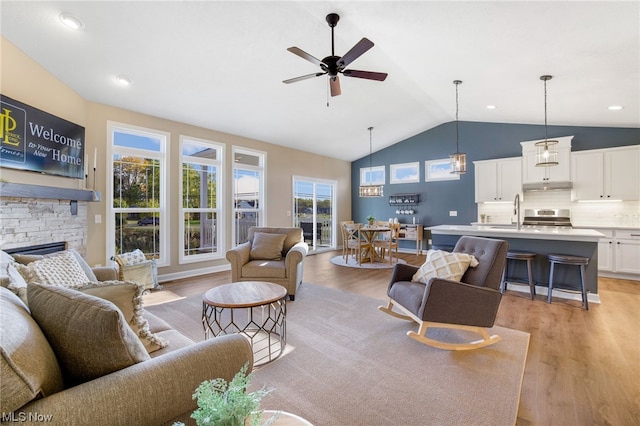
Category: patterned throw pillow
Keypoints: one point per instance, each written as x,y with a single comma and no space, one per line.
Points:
132,258
442,264
267,246
62,269
127,296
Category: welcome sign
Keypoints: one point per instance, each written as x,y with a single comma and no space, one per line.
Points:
34,140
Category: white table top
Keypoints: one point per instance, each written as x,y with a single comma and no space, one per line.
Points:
561,234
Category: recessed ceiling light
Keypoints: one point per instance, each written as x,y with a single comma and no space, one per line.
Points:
491,107
615,107
71,21
123,80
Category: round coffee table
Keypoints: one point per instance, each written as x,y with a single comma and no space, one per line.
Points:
254,309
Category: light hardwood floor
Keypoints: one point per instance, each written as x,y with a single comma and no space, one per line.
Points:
583,367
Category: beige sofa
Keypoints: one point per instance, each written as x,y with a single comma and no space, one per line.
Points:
155,389
271,254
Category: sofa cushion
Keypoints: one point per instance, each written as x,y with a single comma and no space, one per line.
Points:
127,296
16,282
264,269
267,246
89,335
61,269
442,264
28,368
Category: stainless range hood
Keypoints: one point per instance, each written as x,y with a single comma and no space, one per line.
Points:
547,186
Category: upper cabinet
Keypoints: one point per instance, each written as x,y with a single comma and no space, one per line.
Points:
498,180
606,174
560,173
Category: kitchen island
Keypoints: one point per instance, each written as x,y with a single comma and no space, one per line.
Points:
542,241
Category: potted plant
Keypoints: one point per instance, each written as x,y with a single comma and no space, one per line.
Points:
228,404
371,220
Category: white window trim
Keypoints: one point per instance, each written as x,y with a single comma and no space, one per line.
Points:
220,198
262,211
334,206
363,175
164,160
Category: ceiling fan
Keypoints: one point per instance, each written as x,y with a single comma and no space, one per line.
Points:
334,65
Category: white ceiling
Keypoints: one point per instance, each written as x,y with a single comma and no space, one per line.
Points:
220,65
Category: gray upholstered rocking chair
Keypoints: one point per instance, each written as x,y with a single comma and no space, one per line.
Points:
471,304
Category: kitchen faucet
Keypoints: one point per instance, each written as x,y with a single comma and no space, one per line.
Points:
516,210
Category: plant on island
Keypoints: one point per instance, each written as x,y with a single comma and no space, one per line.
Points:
228,404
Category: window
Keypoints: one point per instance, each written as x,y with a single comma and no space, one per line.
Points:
248,192
201,195
314,207
138,201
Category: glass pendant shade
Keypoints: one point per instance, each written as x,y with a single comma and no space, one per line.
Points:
546,153
371,190
458,162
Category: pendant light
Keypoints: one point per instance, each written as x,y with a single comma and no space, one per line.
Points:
371,190
458,159
547,151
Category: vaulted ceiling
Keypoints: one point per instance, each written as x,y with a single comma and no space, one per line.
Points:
220,64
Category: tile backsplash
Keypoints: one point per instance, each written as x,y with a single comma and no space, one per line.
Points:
601,214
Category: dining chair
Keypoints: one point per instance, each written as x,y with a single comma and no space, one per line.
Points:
356,245
343,234
388,241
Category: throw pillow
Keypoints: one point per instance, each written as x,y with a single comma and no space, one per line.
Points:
62,269
267,246
442,264
89,335
127,296
17,284
132,258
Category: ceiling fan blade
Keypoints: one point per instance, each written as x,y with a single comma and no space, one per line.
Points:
369,75
304,77
334,84
305,55
355,52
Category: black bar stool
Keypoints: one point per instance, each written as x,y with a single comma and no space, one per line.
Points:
566,259
519,255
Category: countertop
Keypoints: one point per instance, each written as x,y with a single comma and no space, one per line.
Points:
562,234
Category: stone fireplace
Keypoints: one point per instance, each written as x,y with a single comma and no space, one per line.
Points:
36,217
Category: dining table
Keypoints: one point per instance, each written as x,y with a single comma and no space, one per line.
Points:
370,233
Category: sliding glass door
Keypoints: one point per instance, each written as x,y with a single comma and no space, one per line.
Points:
314,211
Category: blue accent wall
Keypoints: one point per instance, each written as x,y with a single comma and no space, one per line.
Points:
481,141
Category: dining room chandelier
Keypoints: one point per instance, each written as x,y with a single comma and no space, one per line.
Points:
458,159
547,150
370,190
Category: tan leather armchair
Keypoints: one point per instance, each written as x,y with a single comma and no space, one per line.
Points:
256,260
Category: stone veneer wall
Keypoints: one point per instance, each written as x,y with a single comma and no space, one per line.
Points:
29,221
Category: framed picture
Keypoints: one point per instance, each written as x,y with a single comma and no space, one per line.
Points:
435,170
404,173
372,175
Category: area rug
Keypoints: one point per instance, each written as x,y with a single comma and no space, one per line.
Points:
353,263
156,297
346,363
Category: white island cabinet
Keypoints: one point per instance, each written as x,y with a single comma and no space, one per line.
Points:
606,174
498,180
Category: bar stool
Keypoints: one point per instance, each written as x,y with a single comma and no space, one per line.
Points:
519,255
565,259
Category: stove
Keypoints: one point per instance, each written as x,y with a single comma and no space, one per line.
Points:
547,218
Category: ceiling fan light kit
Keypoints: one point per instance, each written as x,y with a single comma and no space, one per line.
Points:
458,160
546,151
333,65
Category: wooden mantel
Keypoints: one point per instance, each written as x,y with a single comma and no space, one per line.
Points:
21,190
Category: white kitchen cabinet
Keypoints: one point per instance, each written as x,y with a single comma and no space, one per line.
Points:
559,173
498,180
627,252
619,253
605,251
606,174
